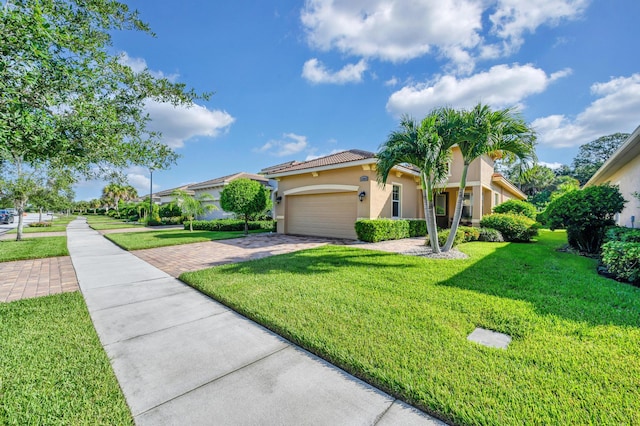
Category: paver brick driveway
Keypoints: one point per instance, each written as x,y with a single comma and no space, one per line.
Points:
175,260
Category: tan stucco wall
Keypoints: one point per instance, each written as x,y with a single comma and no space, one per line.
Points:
377,202
628,179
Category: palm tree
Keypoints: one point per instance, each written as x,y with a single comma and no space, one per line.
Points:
419,146
191,206
482,131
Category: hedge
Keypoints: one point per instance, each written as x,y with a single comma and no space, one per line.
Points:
231,225
517,207
622,259
620,233
374,230
490,235
513,227
444,234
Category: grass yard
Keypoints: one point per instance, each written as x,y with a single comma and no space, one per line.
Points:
172,237
33,248
100,223
53,369
401,323
59,225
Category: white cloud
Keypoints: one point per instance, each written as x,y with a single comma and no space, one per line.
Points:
140,64
513,18
403,30
315,72
289,145
180,123
552,166
616,109
391,82
314,156
500,86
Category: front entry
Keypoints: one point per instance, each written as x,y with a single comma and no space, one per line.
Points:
442,210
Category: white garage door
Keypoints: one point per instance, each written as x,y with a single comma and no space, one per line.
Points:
325,215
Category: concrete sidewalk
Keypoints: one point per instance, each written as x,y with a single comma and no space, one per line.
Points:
182,358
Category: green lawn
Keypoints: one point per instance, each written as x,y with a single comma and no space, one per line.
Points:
59,225
33,248
171,237
401,323
53,369
100,223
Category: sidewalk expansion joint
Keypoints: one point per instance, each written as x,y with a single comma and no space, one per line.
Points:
185,290
384,413
166,328
215,379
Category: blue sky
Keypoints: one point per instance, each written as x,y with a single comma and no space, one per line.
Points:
295,80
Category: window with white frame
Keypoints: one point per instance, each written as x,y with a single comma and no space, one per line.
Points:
395,201
496,199
467,206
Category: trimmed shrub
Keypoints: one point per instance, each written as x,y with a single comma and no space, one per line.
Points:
374,230
517,207
586,215
417,227
620,233
471,233
513,227
622,259
490,235
444,234
40,225
225,225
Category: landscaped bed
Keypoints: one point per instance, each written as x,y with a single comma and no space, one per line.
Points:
401,323
53,369
153,239
33,248
100,223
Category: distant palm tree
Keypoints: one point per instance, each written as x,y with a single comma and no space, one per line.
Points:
191,206
422,147
482,131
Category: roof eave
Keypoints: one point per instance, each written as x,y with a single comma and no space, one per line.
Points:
625,153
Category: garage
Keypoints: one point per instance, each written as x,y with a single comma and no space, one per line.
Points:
326,215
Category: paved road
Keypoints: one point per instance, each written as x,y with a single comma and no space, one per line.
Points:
29,218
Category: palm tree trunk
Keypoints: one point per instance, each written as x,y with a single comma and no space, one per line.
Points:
457,214
429,214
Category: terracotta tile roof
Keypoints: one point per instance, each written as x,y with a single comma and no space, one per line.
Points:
277,167
329,160
225,179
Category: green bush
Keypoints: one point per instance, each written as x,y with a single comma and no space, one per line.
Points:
490,235
374,230
444,234
622,259
620,233
39,224
170,210
230,225
417,227
517,207
586,215
513,227
471,233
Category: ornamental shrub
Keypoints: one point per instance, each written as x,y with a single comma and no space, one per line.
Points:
471,233
39,224
586,215
490,235
513,227
417,227
225,225
444,234
374,230
621,233
622,259
517,207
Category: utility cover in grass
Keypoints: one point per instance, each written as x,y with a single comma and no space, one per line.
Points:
489,338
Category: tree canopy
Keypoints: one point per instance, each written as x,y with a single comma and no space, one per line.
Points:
592,155
245,197
67,101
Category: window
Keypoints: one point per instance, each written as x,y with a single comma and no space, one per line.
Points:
441,204
467,206
496,199
395,201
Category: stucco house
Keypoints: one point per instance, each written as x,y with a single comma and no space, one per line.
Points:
623,169
325,196
215,186
166,196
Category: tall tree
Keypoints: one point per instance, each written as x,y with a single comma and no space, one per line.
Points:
592,155
65,98
481,131
422,147
245,197
191,206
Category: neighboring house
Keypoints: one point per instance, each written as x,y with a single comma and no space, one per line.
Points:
325,196
166,196
214,187
623,169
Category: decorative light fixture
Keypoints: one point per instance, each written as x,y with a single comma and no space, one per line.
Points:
278,199
361,195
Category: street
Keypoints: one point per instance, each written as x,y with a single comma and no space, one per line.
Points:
29,218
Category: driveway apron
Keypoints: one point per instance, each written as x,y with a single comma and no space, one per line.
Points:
182,358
